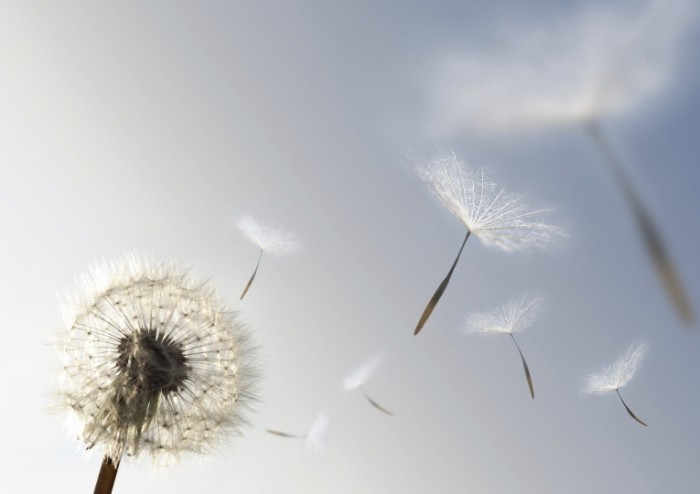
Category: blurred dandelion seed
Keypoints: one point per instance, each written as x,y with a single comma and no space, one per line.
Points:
618,375
600,61
315,439
492,214
360,376
509,318
652,238
270,240
153,361
595,61
285,434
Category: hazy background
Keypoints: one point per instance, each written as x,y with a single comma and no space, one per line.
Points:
152,125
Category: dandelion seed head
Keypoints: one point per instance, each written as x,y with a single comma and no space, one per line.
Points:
363,373
498,217
511,317
620,372
153,361
270,240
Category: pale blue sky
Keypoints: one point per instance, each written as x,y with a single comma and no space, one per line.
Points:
152,127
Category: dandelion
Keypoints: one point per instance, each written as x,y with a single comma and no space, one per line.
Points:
618,375
270,240
509,318
153,362
315,439
361,375
491,213
599,62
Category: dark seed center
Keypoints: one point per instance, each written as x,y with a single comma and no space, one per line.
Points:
153,363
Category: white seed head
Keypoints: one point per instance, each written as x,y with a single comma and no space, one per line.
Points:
619,373
270,240
511,317
316,438
607,58
363,373
493,214
153,361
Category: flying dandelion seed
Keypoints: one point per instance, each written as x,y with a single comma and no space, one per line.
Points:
618,375
601,61
154,362
361,375
598,60
270,240
492,214
287,435
509,318
653,241
315,439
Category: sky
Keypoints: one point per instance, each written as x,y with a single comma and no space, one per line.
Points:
153,127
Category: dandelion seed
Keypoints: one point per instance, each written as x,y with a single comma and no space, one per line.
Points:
599,62
315,439
270,240
285,434
361,375
651,236
509,318
494,215
618,375
596,61
153,362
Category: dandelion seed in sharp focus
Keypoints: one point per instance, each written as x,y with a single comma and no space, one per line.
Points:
509,318
270,240
361,375
153,362
618,375
491,213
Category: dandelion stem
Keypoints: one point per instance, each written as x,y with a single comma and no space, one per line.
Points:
440,290
650,234
374,403
628,409
525,368
250,281
107,475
